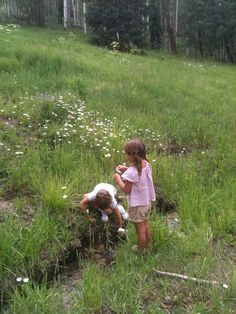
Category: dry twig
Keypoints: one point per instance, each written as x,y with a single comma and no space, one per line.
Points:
197,280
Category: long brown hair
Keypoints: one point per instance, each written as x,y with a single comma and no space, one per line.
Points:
137,150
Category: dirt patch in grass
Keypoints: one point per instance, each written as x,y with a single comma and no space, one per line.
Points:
179,149
173,149
9,209
8,122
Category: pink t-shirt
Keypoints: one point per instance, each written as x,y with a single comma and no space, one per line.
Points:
142,191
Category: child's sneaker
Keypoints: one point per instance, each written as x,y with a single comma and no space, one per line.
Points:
104,217
122,232
123,212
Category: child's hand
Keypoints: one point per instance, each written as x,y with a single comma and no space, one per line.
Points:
92,220
121,232
121,168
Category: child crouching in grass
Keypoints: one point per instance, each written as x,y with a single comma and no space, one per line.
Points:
103,199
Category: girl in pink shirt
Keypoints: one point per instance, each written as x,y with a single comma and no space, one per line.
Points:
137,182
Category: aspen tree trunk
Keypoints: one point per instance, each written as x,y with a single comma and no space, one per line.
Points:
57,13
65,14
5,7
13,7
148,20
84,17
74,12
169,25
8,9
176,19
78,13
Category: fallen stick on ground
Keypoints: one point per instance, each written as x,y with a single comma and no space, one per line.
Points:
211,282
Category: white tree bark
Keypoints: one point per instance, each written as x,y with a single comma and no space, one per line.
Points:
74,12
148,19
65,14
84,17
78,13
176,18
8,9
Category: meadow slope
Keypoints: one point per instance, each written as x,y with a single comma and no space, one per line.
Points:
66,109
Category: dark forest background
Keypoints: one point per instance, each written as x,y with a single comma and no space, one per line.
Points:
198,28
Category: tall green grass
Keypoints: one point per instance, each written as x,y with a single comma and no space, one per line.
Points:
30,298
55,147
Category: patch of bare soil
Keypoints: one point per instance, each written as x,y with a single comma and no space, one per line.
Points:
72,273
8,208
179,296
8,122
179,149
174,149
172,220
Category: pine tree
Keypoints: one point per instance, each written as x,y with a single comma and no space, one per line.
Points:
210,28
118,20
155,27
226,28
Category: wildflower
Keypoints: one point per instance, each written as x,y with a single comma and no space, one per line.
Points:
25,279
64,188
19,279
107,155
65,196
18,153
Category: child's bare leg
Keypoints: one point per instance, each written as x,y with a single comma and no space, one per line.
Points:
147,232
141,233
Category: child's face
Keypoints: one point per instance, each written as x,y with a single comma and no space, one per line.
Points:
130,158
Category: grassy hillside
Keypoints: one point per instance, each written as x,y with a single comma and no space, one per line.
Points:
66,109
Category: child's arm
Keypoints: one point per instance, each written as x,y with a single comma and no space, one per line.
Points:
119,218
125,186
83,206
